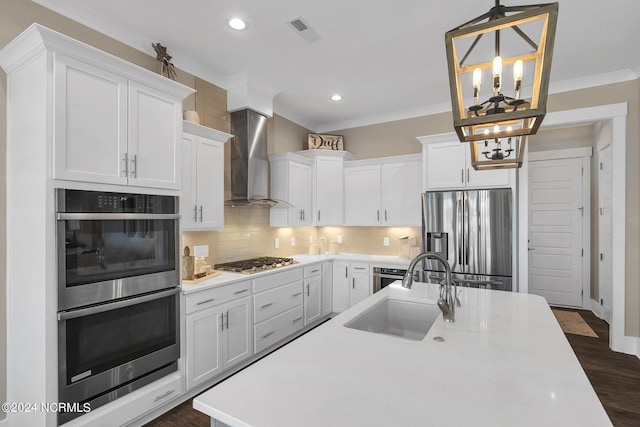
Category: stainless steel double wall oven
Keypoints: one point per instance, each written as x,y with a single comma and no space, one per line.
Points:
118,304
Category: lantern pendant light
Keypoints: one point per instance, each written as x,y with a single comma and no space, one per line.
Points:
496,121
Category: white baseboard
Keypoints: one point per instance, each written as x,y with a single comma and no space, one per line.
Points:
596,308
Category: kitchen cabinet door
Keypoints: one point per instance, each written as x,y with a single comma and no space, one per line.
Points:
402,194
327,288
340,286
204,345
312,299
300,194
362,195
329,208
238,331
90,123
155,130
210,184
449,167
360,283
189,179
446,165
291,183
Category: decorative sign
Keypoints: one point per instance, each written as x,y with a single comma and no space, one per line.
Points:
326,142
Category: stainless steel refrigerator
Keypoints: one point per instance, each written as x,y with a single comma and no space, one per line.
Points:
473,230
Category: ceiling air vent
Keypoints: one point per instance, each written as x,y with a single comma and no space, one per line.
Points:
303,29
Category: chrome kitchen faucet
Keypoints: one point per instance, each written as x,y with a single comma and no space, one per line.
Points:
448,300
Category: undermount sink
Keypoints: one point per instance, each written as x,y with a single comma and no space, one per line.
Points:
406,319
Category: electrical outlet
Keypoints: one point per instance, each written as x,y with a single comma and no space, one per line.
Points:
276,243
201,250
385,241
293,241
339,239
310,239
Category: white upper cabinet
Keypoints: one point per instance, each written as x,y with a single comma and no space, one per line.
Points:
90,140
449,167
155,132
291,188
114,127
384,191
202,201
328,185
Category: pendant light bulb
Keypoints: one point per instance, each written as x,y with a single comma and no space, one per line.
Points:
477,79
497,74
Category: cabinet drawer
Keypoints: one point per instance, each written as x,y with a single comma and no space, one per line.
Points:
216,296
359,268
274,280
312,270
273,330
275,301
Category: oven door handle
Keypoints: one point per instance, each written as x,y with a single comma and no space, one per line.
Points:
66,315
113,216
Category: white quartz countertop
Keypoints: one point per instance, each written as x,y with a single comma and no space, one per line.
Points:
504,362
227,278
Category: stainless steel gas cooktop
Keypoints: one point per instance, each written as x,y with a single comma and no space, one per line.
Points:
255,265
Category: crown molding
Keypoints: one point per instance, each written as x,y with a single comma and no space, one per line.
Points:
77,11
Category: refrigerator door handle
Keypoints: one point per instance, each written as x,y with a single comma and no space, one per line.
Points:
466,235
459,220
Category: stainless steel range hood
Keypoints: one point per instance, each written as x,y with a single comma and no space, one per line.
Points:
249,160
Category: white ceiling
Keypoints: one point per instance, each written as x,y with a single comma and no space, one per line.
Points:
386,58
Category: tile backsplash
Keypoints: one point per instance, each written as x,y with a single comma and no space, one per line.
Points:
247,234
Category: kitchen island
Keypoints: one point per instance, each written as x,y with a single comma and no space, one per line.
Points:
503,362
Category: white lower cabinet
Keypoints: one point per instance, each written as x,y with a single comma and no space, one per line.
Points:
217,336
327,288
312,291
278,307
351,284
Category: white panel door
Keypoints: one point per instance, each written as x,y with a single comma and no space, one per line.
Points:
604,232
446,165
90,139
312,299
204,345
238,331
155,130
329,209
555,231
340,286
401,194
327,288
210,183
362,195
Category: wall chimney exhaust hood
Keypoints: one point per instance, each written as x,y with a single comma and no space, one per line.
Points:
249,160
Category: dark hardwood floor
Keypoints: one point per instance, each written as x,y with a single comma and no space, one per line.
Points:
614,376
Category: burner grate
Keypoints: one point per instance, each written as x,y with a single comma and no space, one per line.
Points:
254,265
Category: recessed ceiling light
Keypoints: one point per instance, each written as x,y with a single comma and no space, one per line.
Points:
237,24
336,97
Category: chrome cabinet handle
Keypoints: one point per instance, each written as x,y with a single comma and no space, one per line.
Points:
267,305
296,320
162,396
241,292
267,335
297,294
318,215
462,176
315,271
227,325
308,290
125,165
378,214
346,272
205,301
200,213
385,215
221,322
195,213
359,268
134,166
467,175
354,283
